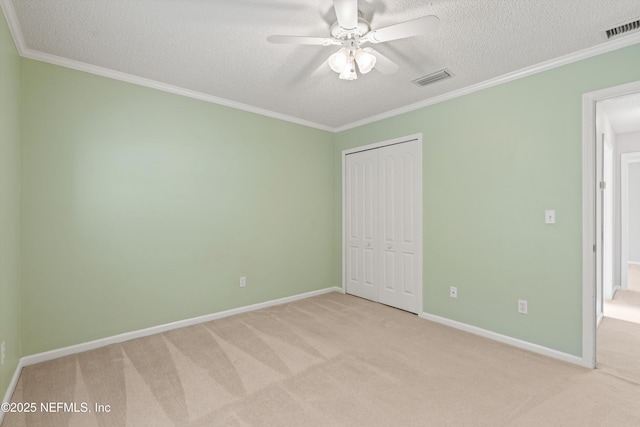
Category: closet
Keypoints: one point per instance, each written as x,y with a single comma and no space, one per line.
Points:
382,213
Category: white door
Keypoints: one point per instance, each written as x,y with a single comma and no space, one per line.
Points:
383,205
398,173
361,227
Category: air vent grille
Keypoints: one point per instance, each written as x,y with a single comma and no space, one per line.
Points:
623,29
433,77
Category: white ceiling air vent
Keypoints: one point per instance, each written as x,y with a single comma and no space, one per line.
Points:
621,29
433,77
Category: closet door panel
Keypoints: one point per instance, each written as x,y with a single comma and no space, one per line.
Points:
361,221
399,197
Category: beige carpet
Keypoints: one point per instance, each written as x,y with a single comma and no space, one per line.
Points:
619,349
332,360
625,304
618,342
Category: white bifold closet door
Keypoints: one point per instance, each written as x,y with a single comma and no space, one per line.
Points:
383,205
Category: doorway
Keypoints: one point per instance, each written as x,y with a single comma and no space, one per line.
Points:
630,211
618,207
382,222
604,267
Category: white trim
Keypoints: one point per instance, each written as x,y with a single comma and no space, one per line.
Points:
625,160
634,262
602,48
14,25
600,317
141,81
535,348
588,231
12,386
400,140
16,33
91,345
340,290
127,336
24,51
609,46
615,289
589,320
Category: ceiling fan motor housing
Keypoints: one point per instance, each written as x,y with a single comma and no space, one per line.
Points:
361,29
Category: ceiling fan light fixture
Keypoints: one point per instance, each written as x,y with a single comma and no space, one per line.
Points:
339,60
350,31
365,61
349,71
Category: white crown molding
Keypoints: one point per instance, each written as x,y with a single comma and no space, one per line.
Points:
14,25
515,75
141,81
16,32
25,52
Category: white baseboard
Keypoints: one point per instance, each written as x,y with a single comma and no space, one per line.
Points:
12,386
91,345
600,317
545,351
615,289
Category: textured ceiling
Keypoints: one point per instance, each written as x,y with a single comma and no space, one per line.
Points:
623,113
218,48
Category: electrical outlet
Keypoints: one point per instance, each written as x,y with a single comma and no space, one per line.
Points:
453,292
243,281
3,352
523,306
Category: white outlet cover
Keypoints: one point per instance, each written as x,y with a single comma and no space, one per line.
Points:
523,306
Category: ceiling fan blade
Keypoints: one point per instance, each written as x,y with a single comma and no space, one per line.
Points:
383,64
347,13
415,27
320,41
322,70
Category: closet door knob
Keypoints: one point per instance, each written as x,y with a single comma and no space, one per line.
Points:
369,244
388,246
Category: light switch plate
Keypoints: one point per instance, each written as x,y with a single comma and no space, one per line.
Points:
550,217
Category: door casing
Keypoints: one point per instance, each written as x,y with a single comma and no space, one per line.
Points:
590,227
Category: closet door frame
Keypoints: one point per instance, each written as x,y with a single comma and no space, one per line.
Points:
419,254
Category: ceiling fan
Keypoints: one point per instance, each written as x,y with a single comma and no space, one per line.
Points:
352,31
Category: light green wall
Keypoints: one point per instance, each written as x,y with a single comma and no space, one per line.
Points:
9,204
494,161
142,207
